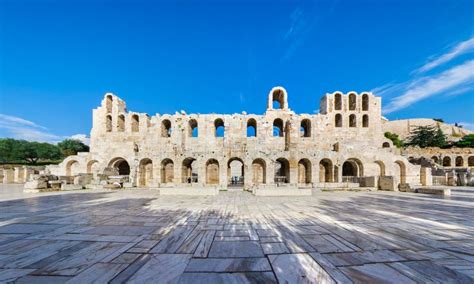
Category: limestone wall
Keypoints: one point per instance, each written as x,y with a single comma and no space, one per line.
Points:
344,139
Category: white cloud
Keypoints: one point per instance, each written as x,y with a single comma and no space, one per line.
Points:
419,89
459,49
19,128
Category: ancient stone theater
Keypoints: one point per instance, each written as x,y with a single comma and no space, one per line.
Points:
341,146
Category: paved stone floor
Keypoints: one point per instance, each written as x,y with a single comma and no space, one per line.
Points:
137,236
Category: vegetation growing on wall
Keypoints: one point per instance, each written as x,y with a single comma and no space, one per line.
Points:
22,151
466,141
395,139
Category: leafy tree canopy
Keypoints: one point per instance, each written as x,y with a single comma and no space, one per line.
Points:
426,136
13,151
466,141
395,139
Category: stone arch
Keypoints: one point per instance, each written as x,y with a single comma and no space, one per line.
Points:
338,101
193,130
121,123
446,162
188,171
381,168
352,120
135,123
470,161
219,129
212,171
352,101
167,171
305,128
304,171
402,171
365,102
278,130
121,165
92,166
235,171
259,170
278,98
282,170
365,120
108,103
108,123
251,127
326,170
166,128
385,145
338,120
72,168
145,172
459,161
352,168
435,160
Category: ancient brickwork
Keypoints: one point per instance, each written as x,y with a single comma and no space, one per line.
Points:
343,143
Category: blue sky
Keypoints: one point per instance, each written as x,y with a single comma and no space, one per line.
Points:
58,58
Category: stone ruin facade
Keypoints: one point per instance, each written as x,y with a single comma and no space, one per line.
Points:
342,145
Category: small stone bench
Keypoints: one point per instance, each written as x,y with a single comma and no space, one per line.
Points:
434,190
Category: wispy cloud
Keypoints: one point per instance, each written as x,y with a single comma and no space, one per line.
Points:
423,88
19,128
467,125
461,48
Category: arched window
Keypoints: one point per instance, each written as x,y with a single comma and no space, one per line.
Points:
365,120
435,159
193,128
108,103
352,120
166,128
278,128
459,161
446,162
305,128
352,101
365,102
135,123
337,101
219,129
278,99
108,123
386,145
121,123
251,128
338,120
470,161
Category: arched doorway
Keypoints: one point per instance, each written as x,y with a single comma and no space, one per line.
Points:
212,171
145,172
446,162
351,170
381,166
121,165
259,172
325,171
167,171
92,167
235,172
401,171
72,168
459,161
304,171
282,171
189,174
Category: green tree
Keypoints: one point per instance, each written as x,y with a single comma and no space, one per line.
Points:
28,152
426,136
72,146
395,139
48,151
466,141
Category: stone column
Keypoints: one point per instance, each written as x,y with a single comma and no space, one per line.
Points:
425,176
248,174
293,172
8,176
177,173
223,175
18,175
270,173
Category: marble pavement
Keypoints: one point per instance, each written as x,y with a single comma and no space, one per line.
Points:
138,236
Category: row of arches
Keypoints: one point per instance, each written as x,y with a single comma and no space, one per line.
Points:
352,121
352,169
134,124
458,161
352,101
